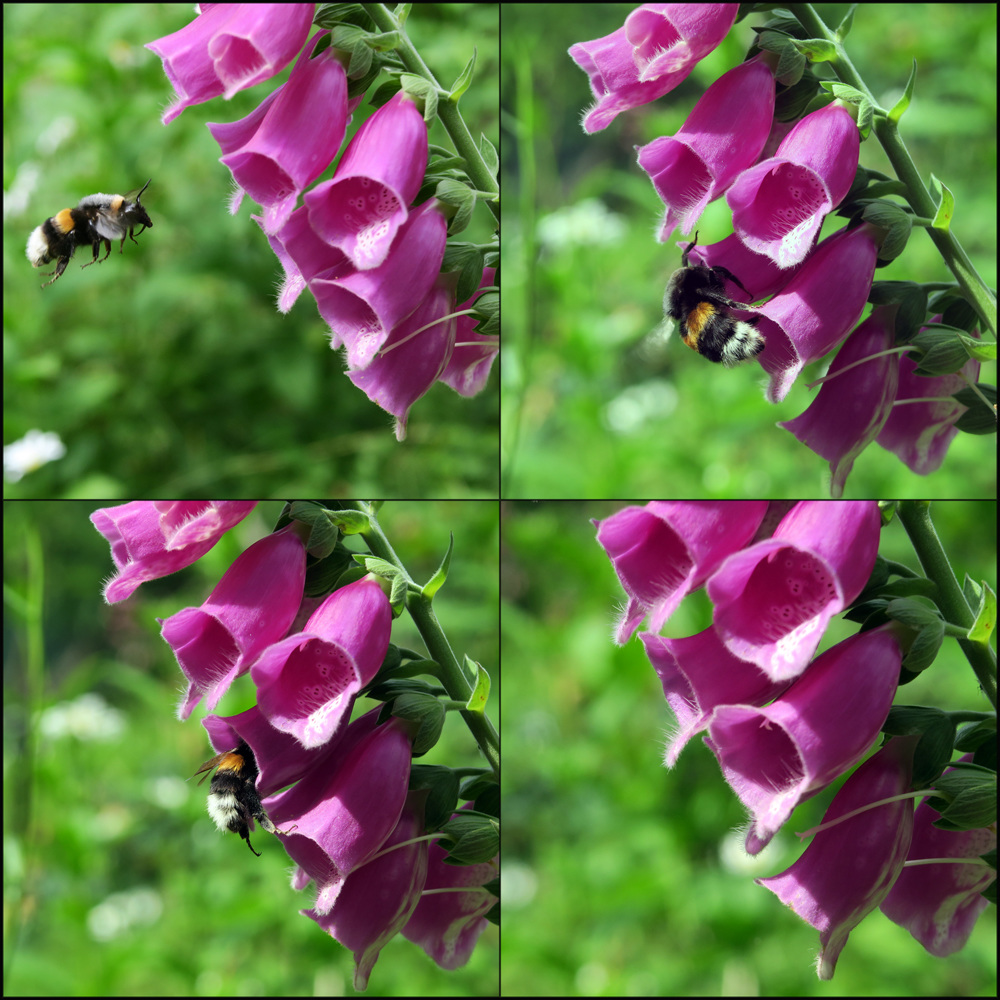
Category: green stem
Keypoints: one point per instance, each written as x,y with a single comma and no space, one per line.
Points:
915,516
452,676
448,113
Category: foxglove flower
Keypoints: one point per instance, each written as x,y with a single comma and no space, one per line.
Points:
774,599
413,357
469,366
920,432
282,146
780,203
251,607
154,538
851,408
230,47
777,755
451,915
306,684
379,897
649,56
668,548
940,904
363,307
698,673
816,310
847,869
345,812
723,135
362,207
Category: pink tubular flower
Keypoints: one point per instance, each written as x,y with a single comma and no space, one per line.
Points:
722,136
362,207
306,683
775,756
303,256
774,599
698,673
413,356
847,870
468,368
649,56
291,138
940,904
154,538
850,409
919,433
668,548
344,812
378,898
816,310
250,608
230,47
362,307
779,205
447,924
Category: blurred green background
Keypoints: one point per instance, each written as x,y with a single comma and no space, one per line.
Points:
116,881
584,372
168,371
624,879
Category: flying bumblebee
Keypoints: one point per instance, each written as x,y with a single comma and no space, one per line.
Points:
233,801
696,298
99,218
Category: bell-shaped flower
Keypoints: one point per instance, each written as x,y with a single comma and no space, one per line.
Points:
847,869
306,684
362,207
780,203
939,904
379,897
698,674
451,915
723,135
154,538
363,307
230,47
344,812
668,548
774,599
251,607
413,356
280,148
920,432
816,310
855,399
777,755
469,366
649,56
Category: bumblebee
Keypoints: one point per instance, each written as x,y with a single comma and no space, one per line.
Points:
696,298
233,801
99,218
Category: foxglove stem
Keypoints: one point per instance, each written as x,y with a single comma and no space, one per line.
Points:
915,517
452,676
448,111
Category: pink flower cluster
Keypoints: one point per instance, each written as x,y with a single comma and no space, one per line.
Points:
367,244
785,723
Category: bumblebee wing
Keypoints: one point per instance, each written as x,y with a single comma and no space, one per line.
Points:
108,224
104,211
